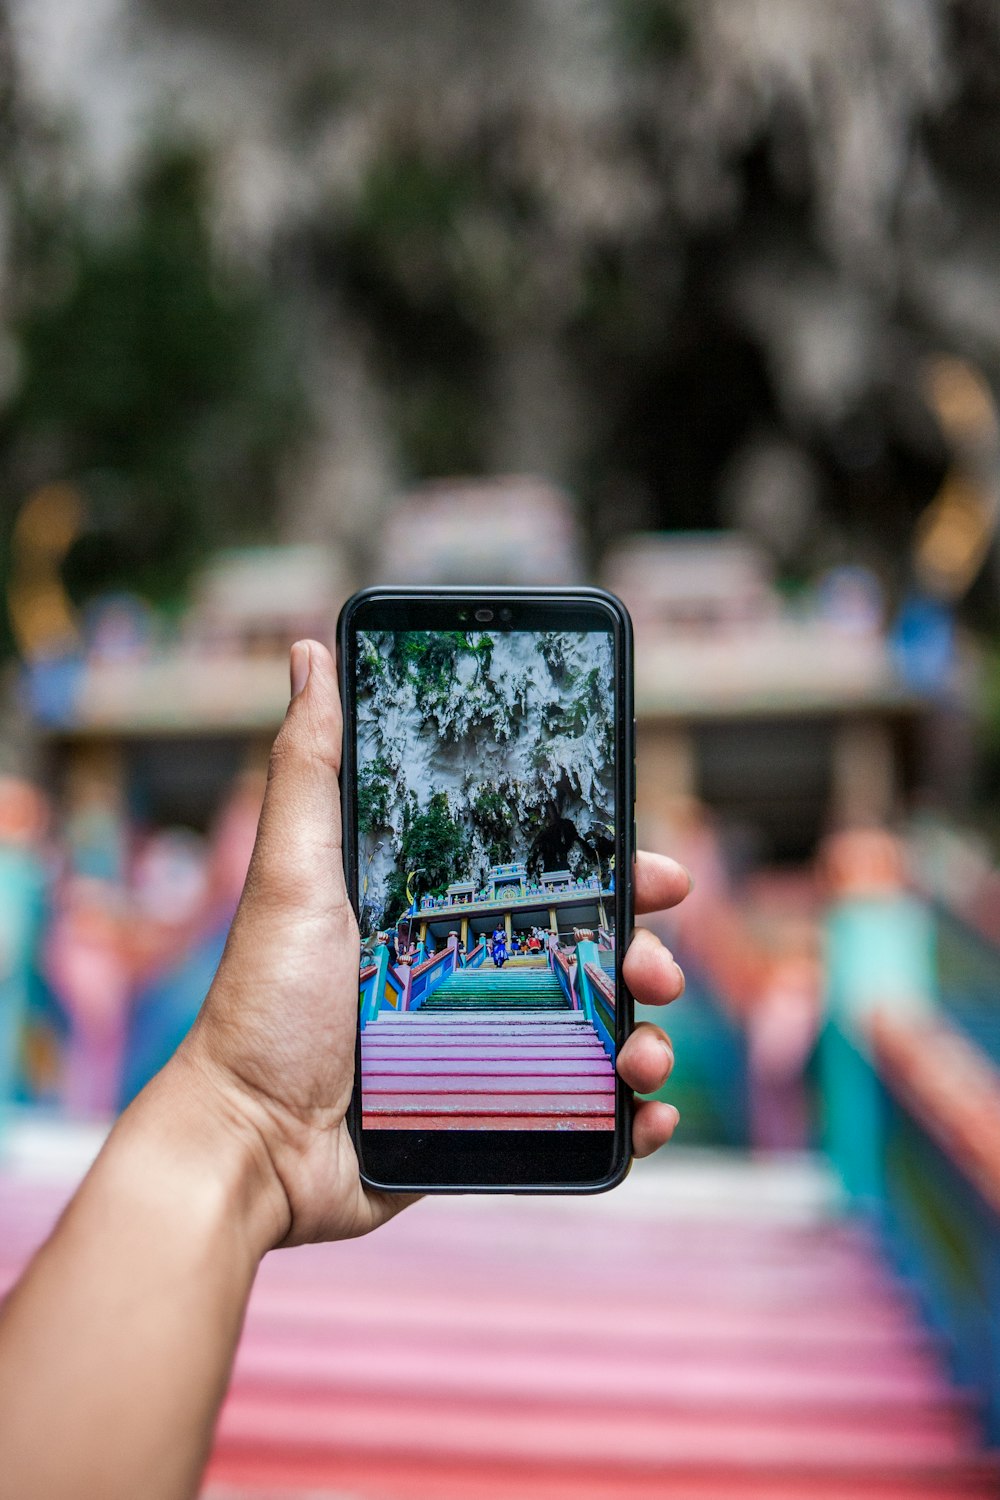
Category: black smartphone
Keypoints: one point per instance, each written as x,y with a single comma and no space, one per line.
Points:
488,790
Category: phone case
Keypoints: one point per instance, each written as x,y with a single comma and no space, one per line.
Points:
625,854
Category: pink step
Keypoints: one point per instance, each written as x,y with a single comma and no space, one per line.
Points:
378,1477
486,1121
561,1434
508,1036
692,1351
552,1020
603,1379
488,1044
480,1352
486,1078
543,1101
545,1067
518,1016
425,1071
458,1061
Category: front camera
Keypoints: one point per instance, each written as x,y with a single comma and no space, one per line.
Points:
484,615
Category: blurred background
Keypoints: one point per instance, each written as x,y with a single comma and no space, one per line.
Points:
698,301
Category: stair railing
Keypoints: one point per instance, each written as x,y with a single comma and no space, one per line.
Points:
931,1126
912,1109
431,973
597,993
476,958
380,987
561,968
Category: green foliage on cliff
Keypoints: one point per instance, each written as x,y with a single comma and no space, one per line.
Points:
370,668
153,374
428,661
374,787
495,817
433,843
406,265
429,658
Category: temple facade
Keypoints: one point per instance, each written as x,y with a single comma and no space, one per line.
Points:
554,901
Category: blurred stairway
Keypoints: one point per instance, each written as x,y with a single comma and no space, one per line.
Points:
713,1330
492,1049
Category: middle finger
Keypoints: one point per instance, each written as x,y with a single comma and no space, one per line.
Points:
646,1060
650,971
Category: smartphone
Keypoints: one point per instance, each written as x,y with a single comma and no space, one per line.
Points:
488,800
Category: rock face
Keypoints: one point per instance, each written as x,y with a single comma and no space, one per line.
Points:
648,248
506,739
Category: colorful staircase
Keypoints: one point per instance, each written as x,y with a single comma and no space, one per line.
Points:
713,1330
491,1049
522,984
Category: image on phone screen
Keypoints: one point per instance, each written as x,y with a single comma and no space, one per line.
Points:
486,874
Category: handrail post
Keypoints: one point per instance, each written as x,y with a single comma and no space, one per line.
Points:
586,953
404,973
879,957
374,1000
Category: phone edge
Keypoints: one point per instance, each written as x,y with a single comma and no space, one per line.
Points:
625,691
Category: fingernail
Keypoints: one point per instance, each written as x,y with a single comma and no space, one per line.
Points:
690,877
299,667
680,978
676,1114
667,1049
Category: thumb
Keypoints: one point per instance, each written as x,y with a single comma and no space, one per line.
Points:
298,855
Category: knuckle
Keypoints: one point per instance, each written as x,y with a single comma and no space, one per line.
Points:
286,752
301,746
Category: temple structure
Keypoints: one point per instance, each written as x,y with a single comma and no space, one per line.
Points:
555,901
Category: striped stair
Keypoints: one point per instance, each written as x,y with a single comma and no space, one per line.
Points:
491,1049
713,1330
522,984
667,1342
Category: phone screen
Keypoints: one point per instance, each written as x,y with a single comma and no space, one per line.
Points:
486,845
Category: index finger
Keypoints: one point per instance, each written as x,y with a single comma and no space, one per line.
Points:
659,882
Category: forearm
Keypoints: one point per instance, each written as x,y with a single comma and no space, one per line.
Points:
116,1345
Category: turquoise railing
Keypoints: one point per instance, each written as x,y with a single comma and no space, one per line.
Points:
710,1083
381,989
916,1138
560,966
968,980
912,1112
598,988
433,971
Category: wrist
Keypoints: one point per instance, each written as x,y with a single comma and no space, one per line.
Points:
192,1132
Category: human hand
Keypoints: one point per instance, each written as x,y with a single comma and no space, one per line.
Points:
273,1048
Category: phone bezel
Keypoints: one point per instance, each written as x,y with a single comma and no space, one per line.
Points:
456,1161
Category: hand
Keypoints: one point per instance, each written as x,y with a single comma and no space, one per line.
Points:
273,1047
646,1060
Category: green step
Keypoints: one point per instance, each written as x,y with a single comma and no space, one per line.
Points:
490,989
487,1009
